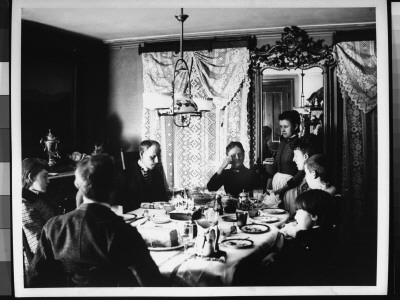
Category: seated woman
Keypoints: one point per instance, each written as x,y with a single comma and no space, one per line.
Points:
92,246
309,252
284,182
36,211
317,175
237,178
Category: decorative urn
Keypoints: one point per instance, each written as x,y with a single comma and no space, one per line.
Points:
50,144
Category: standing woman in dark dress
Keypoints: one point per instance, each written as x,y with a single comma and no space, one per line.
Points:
285,181
35,210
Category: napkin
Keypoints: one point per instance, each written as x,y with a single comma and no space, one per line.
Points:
139,221
271,200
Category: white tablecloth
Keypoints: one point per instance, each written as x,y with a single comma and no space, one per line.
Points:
190,270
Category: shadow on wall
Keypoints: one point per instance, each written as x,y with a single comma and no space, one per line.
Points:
114,133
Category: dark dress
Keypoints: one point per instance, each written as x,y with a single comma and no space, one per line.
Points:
91,246
283,162
36,211
133,189
234,181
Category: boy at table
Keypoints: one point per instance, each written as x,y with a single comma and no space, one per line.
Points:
142,181
92,246
305,147
236,178
317,174
308,253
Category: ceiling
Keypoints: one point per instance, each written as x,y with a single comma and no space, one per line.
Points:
116,24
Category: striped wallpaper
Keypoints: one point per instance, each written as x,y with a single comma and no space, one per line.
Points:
5,199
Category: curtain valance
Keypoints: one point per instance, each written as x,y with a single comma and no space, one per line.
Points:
356,70
217,74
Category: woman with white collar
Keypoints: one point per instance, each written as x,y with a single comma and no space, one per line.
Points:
35,209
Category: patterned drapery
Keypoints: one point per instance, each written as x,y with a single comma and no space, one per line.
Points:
357,72
191,155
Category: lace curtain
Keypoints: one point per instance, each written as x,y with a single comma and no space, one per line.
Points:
191,155
356,71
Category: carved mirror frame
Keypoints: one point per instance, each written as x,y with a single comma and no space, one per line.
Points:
295,50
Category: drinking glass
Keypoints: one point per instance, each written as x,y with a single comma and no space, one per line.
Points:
186,234
241,218
258,194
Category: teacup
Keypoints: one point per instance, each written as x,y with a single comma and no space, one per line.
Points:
226,230
253,212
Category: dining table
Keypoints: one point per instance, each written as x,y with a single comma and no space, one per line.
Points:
236,266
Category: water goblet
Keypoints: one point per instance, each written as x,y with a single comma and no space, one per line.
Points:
212,216
186,235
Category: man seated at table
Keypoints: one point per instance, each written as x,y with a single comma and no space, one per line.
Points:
142,181
237,178
92,246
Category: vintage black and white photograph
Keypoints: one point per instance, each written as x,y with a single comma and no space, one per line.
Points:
221,149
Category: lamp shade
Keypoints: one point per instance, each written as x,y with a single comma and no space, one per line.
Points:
184,104
203,104
154,100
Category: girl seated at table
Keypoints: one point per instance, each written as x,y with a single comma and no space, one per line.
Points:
307,248
36,208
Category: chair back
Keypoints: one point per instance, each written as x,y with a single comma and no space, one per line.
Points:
27,250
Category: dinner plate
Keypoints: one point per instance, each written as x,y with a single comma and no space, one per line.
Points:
155,205
180,246
237,243
129,217
266,219
161,220
180,216
255,228
229,218
274,211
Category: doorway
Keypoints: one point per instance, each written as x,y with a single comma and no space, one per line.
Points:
277,97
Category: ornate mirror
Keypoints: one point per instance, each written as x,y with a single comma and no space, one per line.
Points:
295,73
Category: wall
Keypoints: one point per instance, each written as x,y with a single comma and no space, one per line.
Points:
64,88
125,97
